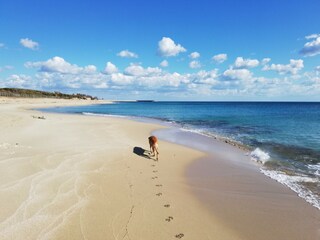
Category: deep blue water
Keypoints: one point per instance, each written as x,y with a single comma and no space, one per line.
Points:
288,132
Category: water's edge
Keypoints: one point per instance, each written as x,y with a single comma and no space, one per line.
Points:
225,148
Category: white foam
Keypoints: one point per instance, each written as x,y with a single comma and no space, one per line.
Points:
259,156
315,167
207,134
293,183
103,115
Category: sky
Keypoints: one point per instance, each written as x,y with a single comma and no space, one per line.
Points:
200,50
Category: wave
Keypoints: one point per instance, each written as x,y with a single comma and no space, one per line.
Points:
295,184
315,168
259,156
198,131
103,115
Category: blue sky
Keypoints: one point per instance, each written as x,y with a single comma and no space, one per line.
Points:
164,50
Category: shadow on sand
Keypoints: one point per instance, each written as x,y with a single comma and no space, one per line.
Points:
141,152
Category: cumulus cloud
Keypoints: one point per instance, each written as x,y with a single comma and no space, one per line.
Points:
150,78
194,55
292,68
164,63
58,64
245,63
220,58
110,68
138,70
121,79
18,81
168,48
127,54
205,77
57,73
194,64
28,43
236,74
312,47
82,80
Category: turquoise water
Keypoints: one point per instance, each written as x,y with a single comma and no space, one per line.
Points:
284,137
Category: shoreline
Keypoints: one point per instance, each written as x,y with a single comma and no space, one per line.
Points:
233,188
257,156
185,183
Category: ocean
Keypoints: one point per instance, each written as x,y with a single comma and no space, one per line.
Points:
283,137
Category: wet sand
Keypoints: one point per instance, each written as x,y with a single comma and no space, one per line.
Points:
233,189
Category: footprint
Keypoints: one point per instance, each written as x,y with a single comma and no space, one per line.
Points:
153,165
159,185
155,171
154,177
180,235
159,194
170,218
166,205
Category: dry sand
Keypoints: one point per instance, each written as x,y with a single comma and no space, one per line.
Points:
76,177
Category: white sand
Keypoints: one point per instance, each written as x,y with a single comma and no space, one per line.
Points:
76,177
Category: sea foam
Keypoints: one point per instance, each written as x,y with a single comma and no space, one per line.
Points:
259,156
103,115
315,168
295,184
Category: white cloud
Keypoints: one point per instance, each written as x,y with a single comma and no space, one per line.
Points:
110,68
18,81
58,64
220,58
90,69
164,63
127,54
236,74
311,48
206,77
194,64
56,73
82,80
194,55
265,61
121,79
2,45
245,63
168,48
312,36
137,70
28,43
292,68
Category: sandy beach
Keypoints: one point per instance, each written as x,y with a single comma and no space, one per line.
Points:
77,177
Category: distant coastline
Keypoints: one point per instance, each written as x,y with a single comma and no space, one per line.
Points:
30,93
